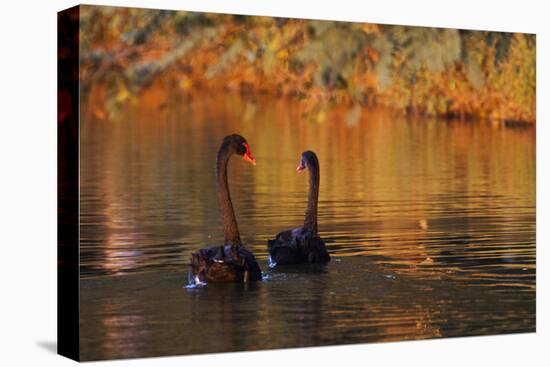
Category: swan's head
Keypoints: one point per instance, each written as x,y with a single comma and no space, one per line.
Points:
308,159
240,146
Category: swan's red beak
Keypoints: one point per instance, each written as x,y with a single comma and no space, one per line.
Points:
247,156
301,167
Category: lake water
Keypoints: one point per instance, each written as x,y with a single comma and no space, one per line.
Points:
430,225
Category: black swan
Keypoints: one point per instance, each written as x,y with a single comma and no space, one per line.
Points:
230,262
302,244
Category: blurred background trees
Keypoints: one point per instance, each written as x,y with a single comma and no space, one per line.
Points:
126,53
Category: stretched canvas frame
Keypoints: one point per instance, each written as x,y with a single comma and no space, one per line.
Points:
328,86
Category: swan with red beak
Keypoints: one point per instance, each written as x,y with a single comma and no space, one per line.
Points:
302,244
230,261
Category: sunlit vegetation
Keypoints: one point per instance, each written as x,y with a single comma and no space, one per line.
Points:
126,53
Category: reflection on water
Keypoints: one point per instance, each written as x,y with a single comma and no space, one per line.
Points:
432,224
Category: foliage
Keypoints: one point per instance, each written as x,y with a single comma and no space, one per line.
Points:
428,71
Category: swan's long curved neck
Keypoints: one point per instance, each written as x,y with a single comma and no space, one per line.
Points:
310,222
230,228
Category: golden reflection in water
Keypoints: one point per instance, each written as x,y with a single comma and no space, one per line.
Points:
430,224
392,187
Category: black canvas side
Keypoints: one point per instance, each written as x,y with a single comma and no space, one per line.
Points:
67,182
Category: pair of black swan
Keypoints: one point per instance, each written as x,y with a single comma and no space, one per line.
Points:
232,262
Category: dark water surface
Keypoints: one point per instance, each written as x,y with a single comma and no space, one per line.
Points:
430,224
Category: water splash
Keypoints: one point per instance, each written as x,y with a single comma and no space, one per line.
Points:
194,281
270,262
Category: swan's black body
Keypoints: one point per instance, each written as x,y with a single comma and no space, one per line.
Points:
227,263
303,244
230,262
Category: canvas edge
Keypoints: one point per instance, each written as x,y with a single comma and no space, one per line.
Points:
68,136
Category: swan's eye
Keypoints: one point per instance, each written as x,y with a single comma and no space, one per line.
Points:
247,156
